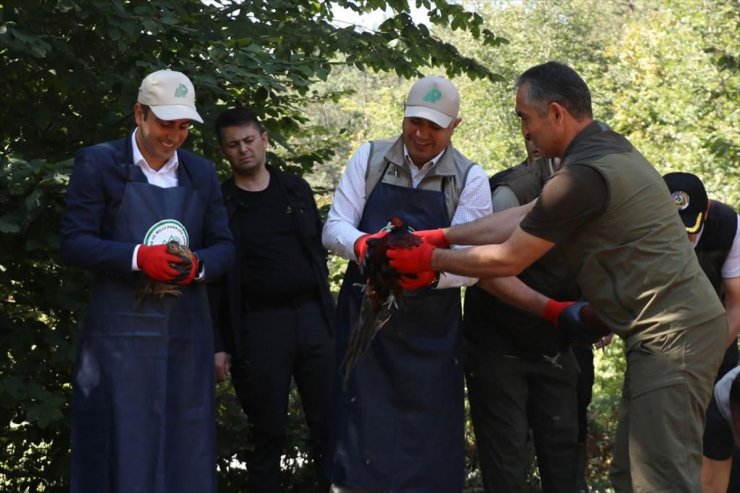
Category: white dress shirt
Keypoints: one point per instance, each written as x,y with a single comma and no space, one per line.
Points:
164,177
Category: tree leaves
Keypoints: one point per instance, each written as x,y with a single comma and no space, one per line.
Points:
71,71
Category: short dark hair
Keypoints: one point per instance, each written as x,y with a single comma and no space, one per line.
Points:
145,108
237,117
554,82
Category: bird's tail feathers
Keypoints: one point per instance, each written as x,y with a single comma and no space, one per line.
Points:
369,323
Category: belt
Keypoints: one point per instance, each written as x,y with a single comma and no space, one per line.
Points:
258,304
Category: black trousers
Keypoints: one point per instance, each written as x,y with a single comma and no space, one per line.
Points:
585,359
280,344
508,397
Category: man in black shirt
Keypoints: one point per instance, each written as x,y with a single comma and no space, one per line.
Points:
273,310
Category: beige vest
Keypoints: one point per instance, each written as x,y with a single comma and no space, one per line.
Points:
635,263
449,174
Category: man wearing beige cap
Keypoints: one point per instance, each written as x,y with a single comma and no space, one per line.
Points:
147,219
400,417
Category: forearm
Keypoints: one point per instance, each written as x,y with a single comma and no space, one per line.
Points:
218,256
715,475
478,261
498,260
494,228
91,252
341,229
450,280
516,293
475,203
339,237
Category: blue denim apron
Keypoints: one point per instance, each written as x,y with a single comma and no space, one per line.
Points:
143,400
400,417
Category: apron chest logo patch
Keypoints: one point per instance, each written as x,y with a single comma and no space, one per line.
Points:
165,231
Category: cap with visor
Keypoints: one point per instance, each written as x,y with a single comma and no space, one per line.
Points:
170,95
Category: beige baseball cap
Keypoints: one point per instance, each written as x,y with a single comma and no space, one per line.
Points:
170,95
433,98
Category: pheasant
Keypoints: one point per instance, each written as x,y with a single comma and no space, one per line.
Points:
159,289
381,290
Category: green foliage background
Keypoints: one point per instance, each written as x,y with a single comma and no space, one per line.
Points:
664,72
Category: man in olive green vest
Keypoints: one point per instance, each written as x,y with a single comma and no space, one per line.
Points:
611,213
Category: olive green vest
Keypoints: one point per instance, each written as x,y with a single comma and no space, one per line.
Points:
496,326
525,180
634,262
551,274
386,162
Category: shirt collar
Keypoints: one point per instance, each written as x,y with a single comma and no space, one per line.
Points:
426,165
170,166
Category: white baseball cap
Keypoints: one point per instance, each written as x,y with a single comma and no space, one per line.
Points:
170,95
433,98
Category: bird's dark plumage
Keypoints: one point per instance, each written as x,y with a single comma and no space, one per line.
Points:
381,291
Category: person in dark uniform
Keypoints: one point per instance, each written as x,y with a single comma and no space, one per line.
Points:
273,310
712,229
400,414
584,355
609,211
143,409
521,373
722,436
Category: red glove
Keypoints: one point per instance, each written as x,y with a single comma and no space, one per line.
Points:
191,274
155,261
412,282
361,244
413,260
435,237
576,321
553,309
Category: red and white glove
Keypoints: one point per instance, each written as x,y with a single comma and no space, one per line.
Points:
412,282
361,244
434,237
188,278
413,260
155,261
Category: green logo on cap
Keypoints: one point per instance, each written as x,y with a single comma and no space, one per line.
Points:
433,95
181,91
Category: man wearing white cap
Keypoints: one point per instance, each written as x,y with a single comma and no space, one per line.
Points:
143,387
400,416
